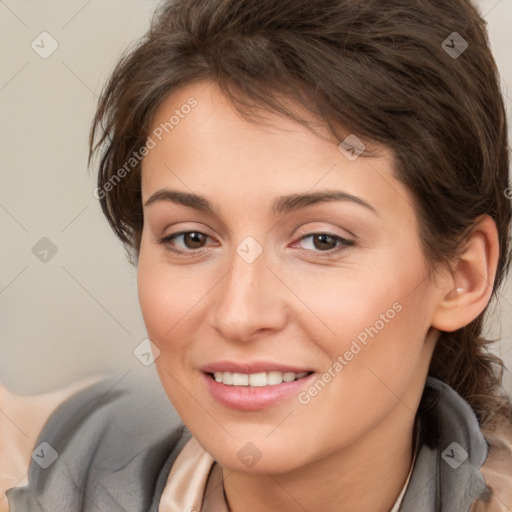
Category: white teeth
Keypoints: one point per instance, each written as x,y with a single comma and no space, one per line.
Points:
274,378
240,379
257,379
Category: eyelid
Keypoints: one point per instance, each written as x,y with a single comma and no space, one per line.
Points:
349,237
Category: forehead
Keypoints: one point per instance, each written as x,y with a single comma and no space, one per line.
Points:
203,144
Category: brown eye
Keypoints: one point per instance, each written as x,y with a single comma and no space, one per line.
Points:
194,239
185,242
324,242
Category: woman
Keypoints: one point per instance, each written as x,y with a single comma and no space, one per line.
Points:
315,196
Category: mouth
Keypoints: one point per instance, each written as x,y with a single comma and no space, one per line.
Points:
255,391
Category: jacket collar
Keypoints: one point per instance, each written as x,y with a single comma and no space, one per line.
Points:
446,474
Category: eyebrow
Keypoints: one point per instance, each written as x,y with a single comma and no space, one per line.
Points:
281,205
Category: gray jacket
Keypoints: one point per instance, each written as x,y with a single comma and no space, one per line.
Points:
110,448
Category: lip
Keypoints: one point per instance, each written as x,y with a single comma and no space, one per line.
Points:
247,398
251,367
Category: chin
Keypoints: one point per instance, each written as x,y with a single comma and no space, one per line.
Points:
263,461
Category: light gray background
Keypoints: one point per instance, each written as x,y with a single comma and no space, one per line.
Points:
77,314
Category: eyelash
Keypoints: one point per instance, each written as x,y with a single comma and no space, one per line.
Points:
344,244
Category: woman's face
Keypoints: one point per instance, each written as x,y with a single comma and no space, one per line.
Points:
274,283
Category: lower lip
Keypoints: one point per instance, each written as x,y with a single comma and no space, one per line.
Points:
247,398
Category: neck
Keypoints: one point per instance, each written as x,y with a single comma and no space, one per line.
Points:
367,475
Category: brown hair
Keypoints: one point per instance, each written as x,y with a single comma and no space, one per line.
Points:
385,71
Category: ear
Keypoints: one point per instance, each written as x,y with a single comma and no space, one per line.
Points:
469,289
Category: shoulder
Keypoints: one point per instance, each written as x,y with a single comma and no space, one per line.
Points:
21,422
117,434
497,469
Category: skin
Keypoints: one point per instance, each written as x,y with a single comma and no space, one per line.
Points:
300,308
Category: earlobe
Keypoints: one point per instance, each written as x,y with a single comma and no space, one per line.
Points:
472,279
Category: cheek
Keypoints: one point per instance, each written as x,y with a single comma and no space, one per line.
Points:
166,294
172,302
361,303
164,309
371,322
155,299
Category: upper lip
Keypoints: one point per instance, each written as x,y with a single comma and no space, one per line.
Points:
251,367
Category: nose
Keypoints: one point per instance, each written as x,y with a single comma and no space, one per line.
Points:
250,300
